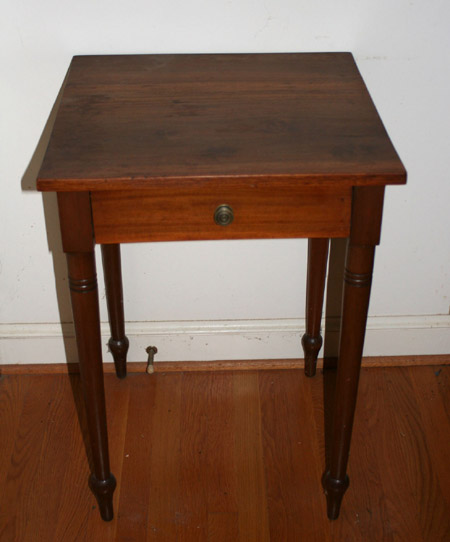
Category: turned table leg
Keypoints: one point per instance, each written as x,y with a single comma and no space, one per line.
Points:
315,286
364,235
77,236
84,295
118,343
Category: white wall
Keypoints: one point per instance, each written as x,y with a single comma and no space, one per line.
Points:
403,51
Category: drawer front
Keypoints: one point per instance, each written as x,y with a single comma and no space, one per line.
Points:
199,212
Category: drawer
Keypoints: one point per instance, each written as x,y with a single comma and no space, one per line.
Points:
200,211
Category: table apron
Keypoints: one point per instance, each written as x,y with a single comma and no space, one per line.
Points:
187,213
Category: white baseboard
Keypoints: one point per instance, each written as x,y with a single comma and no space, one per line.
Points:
224,339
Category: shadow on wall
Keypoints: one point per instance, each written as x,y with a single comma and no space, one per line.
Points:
51,217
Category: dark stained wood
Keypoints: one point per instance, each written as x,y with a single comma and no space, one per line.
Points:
145,148
78,243
315,287
118,343
260,211
75,218
84,297
367,211
128,121
399,470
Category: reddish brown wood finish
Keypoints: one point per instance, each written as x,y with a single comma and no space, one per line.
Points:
315,287
75,219
145,148
158,120
365,234
118,343
78,243
84,296
261,440
225,365
261,210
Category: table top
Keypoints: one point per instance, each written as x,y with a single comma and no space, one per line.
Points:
138,121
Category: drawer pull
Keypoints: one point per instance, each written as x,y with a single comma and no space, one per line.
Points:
223,215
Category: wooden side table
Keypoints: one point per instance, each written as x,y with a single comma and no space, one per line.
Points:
190,147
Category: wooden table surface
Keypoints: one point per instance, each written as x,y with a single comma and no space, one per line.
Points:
142,120
190,147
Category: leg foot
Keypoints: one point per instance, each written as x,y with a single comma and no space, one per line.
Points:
118,343
311,347
103,491
315,286
119,349
334,491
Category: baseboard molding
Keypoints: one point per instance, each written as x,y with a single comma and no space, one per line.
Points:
233,340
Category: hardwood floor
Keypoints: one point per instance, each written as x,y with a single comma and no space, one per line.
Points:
227,456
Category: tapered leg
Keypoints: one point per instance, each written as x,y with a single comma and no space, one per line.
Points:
315,286
84,295
118,343
365,231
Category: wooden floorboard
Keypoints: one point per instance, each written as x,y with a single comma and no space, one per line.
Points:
224,365
249,459
227,456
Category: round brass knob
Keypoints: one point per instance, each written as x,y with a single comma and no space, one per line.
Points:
223,215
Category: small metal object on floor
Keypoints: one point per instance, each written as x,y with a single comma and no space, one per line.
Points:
151,351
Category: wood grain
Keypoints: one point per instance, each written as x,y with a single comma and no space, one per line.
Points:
226,365
13,391
291,478
249,460
135,490
402,439
252,481
76,506
367,515
18,500
260,211
75,218
151,120
117,404
165,460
